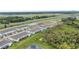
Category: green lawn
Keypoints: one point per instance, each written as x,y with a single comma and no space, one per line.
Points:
1,26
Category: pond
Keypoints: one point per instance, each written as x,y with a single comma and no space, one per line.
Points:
34,46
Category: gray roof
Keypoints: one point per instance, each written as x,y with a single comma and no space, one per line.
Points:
19,36
12,29
35,29
4,42
43,25
7,30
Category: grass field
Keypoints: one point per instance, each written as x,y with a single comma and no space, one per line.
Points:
1,26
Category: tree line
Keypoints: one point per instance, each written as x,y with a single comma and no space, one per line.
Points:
13,19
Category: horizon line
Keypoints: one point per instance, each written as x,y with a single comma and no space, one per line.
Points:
42,11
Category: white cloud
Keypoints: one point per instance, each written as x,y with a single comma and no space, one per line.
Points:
38,5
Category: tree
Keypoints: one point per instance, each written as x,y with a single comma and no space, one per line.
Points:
5,26
69,20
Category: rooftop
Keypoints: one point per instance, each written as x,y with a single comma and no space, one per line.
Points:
19,36
4,42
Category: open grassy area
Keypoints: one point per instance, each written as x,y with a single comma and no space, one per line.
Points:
1,26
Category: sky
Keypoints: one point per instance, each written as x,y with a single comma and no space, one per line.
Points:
38,5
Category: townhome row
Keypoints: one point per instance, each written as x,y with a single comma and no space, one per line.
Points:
11,36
